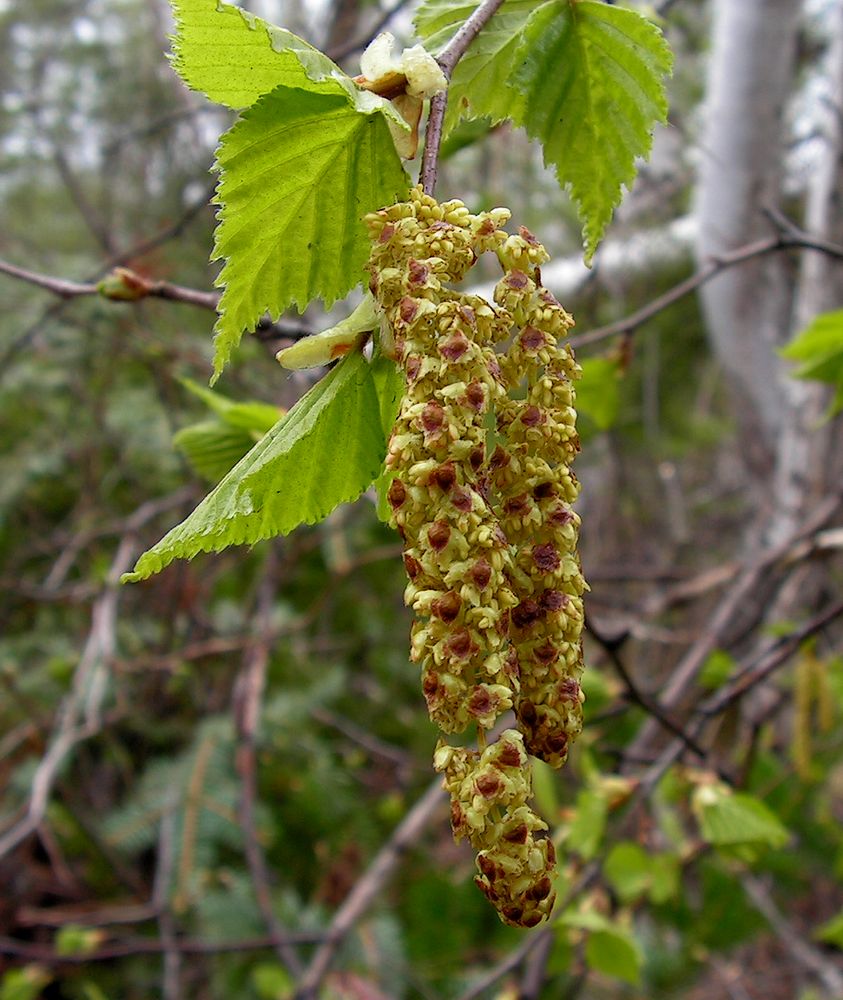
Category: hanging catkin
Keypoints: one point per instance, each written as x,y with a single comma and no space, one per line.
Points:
489,538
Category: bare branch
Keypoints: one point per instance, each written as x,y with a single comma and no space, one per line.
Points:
146,946
348,50
448,59
800,949
405,835
759,248
79,715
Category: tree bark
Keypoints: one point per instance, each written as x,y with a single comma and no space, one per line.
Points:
747,309
810,453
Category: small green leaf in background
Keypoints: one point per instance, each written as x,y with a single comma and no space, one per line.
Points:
614,953
627,870
24,984
589,822
298,172
598,391
610,947
324,452
820,349
728,818
717,669
634,873
272,981
73,939
214,447
832,931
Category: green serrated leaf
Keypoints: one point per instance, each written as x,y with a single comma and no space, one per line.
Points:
234,58
479,85
298,172
819,348
729,818
324,452
26,983
592,78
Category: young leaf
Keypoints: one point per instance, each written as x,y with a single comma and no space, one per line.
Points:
252,416
598,391
592,76
614,953
325,451
213,448
479,86
322,348
819,348
729,818
234,57
832,931
299,171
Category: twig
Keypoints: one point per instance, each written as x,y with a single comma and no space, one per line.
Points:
721,700
534,976
772,244
146,946
733,602
370,886
248,697
448,59
348,50
800,949
170,986
79,715
141,288
771,660
650,705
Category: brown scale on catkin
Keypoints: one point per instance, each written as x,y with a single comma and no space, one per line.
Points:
467,577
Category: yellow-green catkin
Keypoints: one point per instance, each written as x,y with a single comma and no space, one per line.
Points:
476,566
532,472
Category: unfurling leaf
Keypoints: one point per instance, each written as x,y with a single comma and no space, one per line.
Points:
336,342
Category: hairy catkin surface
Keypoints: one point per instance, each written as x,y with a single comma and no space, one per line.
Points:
489,536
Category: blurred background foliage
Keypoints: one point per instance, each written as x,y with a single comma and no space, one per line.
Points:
724,881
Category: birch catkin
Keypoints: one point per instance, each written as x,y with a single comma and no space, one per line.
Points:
489,536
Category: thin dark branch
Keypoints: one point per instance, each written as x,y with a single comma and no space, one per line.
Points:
650,705
759,248
147,946
448,59
800,948
732,605
357,46
752,675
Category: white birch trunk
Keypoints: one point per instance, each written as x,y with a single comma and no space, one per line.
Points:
809,460
747,309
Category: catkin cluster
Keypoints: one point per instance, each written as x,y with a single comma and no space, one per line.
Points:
480,493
